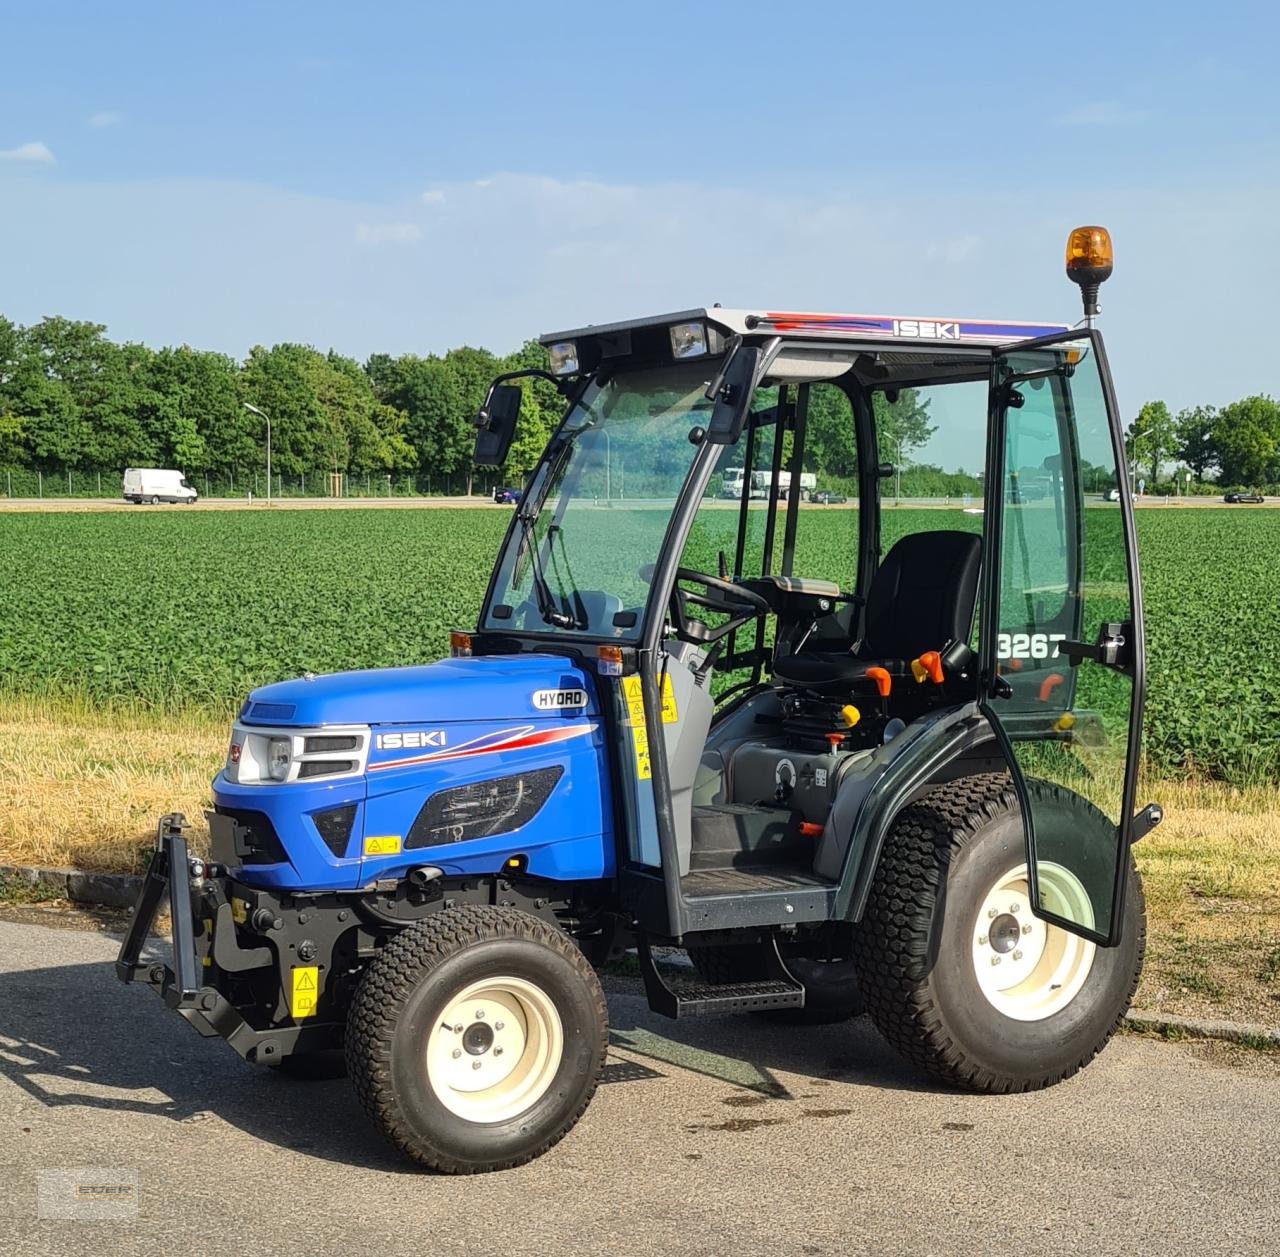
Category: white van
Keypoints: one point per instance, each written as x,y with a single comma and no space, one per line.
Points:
155,484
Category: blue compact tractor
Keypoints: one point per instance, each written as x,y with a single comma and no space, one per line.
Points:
846,758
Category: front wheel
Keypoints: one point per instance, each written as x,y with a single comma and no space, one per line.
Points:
476,1039
958,973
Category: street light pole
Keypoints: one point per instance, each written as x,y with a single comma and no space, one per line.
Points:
897,475
262,414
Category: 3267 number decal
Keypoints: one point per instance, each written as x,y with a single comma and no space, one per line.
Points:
1028,645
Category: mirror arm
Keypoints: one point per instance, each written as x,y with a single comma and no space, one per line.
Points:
562,385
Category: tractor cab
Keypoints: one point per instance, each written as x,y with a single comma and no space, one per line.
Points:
778,677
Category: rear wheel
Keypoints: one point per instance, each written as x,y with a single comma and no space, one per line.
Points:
476,1038
957,972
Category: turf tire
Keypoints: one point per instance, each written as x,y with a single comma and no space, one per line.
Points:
913,948
398,1003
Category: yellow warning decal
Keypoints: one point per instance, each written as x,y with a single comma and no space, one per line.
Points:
384,844
239,911
634,694
305,991
640,744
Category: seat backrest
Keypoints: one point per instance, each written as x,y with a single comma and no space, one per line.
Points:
923,595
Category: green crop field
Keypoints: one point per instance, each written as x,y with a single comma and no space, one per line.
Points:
188,611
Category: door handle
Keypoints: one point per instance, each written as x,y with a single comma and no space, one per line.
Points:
1112,649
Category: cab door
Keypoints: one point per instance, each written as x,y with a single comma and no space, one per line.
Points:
1061,643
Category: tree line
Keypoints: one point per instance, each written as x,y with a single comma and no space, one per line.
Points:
1232,446
74,403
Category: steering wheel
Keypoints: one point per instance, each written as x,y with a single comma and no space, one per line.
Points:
740,604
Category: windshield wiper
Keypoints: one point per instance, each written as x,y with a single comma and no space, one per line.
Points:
542,591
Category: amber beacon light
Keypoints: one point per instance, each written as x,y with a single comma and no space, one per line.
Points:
1089,260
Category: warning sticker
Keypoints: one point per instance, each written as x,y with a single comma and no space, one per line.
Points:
634,694
304,992
640,744
385,844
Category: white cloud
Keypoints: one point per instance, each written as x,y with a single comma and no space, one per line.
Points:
529,254
388,233
36,151
1104,113
433,196
105,119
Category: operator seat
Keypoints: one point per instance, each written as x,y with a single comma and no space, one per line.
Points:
922,598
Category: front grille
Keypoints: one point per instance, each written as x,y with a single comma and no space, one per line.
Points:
325,767
330,742
334,826
483,808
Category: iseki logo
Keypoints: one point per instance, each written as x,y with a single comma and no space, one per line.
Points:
417,740
929,329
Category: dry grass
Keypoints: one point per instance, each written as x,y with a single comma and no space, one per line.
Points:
81,788
1212,877
84,789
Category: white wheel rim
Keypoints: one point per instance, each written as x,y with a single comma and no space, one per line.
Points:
1026,968
495,1049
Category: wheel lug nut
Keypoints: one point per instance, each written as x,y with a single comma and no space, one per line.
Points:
992,913
479,1014
457,1052
995,960
458,1028
982,940
1013,907
497,1025
1017,955
1026,929
475,1064
497,1051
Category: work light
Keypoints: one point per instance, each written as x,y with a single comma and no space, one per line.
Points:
688,340
562,358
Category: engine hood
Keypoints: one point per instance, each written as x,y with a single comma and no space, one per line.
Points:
491,687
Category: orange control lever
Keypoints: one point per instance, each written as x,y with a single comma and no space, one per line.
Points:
884,682
927,668
834,739
1048,685
809,830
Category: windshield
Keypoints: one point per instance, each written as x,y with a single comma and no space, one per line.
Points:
591,527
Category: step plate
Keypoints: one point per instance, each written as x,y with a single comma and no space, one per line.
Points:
703,999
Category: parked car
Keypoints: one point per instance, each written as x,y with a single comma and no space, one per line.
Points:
827,497
1251,499
156,484
508,496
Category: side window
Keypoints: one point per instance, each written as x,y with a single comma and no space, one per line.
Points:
827,501
936,440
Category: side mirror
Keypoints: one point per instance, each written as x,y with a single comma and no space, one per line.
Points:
496,425
733,396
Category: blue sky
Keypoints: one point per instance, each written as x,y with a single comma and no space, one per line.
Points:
407,177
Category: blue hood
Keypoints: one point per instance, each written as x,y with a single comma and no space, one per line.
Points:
491,687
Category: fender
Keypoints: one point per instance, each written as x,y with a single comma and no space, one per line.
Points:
938,741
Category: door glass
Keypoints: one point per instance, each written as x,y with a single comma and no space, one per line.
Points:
1063,575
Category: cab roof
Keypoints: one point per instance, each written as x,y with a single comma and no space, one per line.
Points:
876,350
840,327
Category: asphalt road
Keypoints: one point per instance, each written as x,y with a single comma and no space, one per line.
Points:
723,1136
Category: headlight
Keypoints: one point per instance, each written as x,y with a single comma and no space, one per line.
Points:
272,756
279,755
